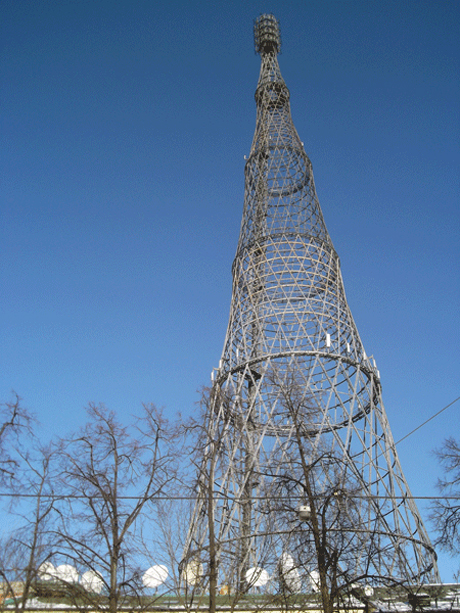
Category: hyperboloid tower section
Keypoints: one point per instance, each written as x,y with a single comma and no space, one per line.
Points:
300,475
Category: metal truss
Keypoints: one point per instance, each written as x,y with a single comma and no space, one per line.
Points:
295,399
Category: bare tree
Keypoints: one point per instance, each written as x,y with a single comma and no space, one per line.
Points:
445,511
112,474
199,566
26,479
171,517
31,544
321,544
316,494
16,423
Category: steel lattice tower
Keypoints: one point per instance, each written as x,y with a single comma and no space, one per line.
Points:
296,401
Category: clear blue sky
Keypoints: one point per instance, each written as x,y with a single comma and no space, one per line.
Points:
124,126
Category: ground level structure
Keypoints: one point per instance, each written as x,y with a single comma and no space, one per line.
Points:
402,599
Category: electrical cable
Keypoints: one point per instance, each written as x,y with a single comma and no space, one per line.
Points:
428,420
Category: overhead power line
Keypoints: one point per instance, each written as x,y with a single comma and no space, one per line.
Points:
216,496
428,420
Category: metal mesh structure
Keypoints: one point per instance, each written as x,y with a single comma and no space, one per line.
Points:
295,416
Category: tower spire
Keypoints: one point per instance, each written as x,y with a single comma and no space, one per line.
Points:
295,415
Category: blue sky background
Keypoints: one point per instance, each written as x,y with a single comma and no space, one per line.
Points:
124,126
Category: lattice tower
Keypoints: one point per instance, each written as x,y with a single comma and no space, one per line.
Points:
296,401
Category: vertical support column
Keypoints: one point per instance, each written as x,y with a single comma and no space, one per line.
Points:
256,291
